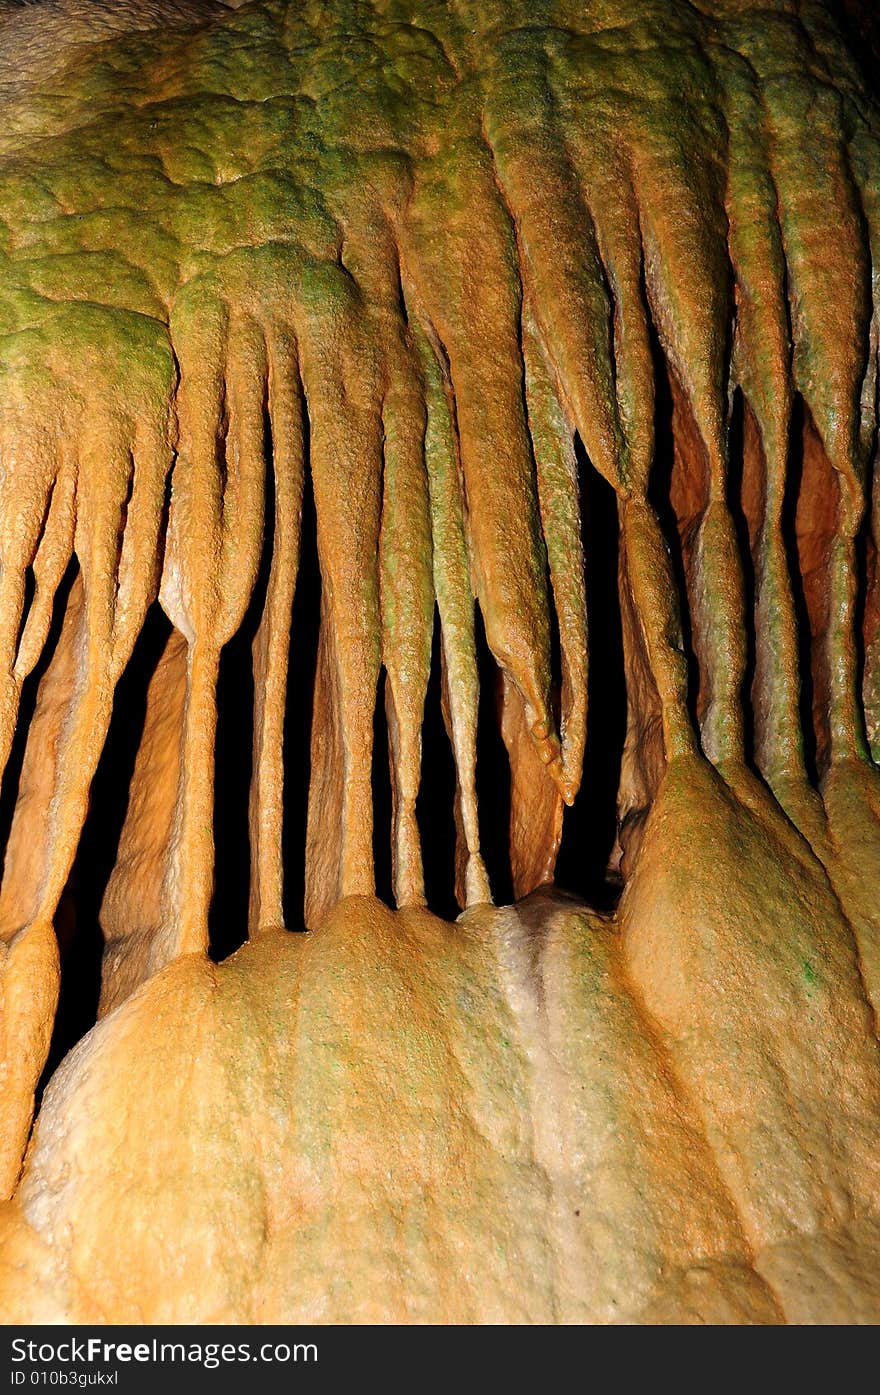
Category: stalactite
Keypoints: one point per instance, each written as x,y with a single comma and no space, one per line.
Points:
508,562
763,367
559,256
407,615
827,264
871,695
536,800
415,260
559,503
592,316
273,640
30,965
203,596
405,557
343,392
37,529
687,284
455,604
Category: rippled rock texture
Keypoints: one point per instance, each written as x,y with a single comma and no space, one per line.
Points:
434,275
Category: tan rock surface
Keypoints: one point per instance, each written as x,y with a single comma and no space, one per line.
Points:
442,272
253,1142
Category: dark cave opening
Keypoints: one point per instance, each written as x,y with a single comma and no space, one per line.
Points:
589,829
436,802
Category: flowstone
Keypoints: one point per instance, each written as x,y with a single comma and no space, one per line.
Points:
435,275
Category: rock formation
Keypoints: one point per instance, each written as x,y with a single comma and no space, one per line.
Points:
435,268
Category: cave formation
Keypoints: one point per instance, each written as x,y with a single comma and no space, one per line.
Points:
372,372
